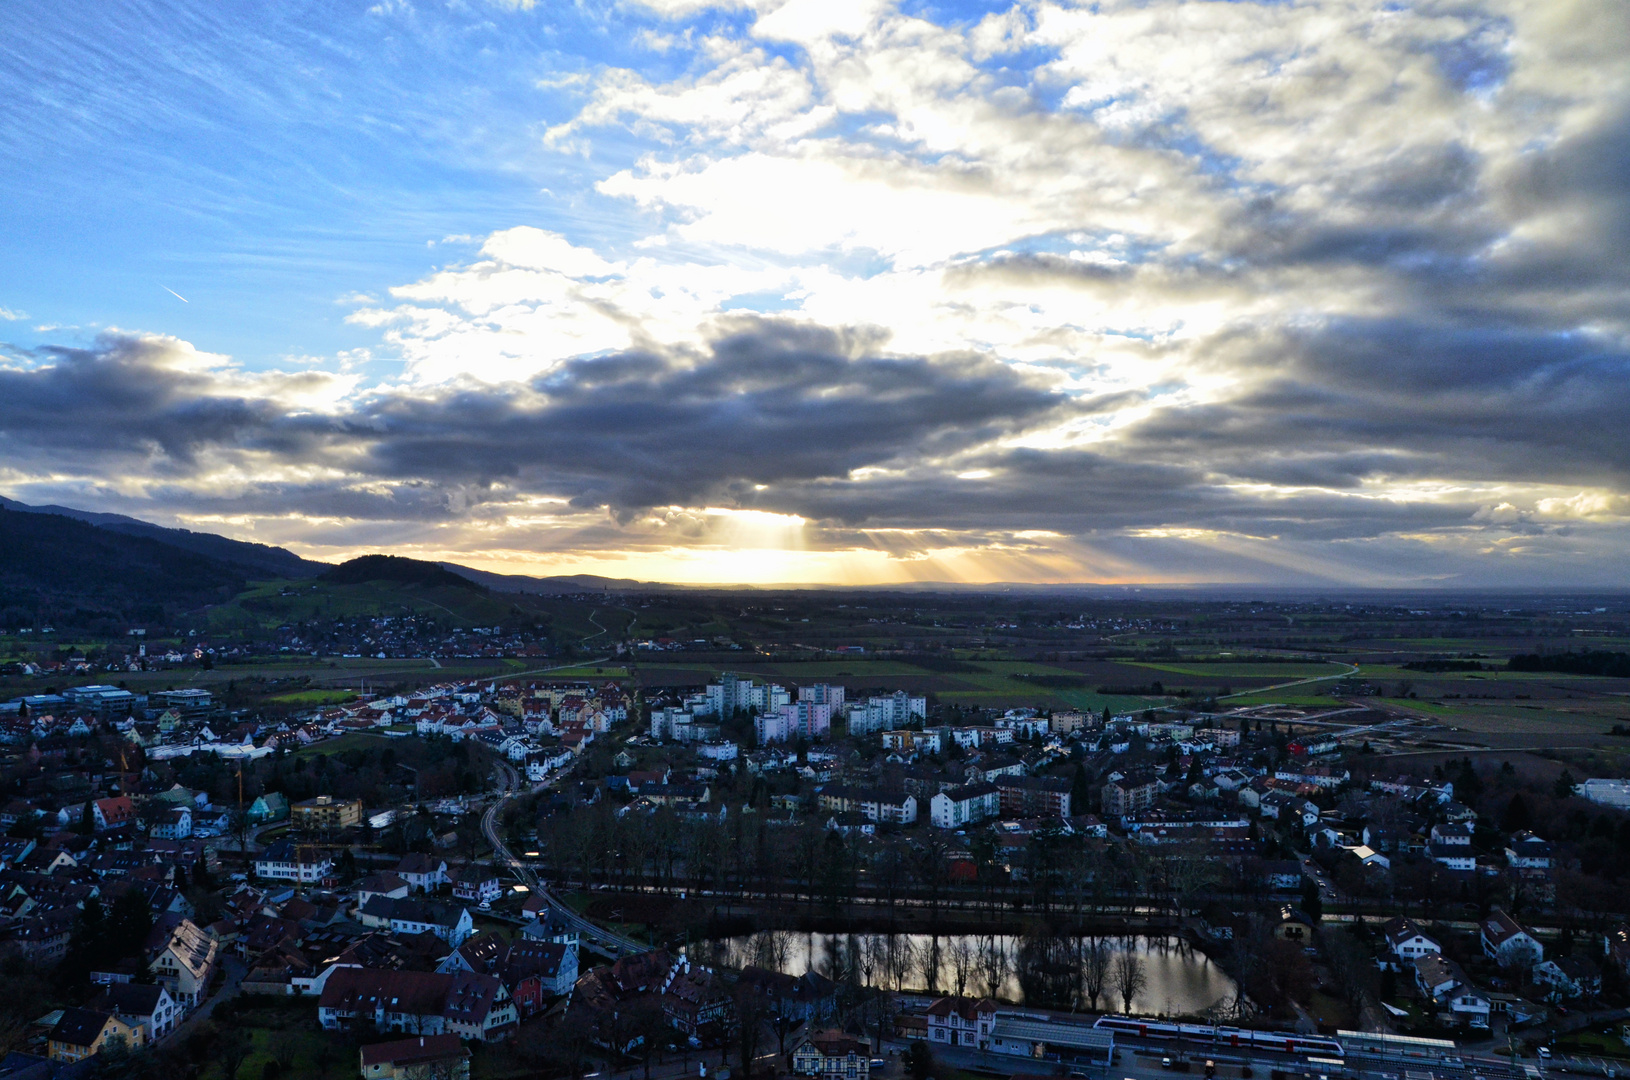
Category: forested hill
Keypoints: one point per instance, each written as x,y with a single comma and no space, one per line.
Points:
56,569
398,571
259,560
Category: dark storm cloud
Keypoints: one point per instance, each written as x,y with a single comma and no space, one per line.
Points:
141,396
772,404
1395,398
1082,491
797,412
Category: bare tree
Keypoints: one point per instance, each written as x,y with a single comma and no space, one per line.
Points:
993,965
902,957
1095,958
762,950
930,960
1127,976
963,961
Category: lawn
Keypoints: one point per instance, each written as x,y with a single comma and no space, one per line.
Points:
1597,1043
280,1027
354,740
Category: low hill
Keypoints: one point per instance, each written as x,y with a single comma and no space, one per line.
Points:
398,570
57,569
561,584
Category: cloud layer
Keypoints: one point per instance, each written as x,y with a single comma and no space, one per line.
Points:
1331,291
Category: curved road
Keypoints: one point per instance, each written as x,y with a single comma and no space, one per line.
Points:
1352,669
606,941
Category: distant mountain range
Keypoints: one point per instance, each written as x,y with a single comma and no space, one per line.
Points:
257,560
77,567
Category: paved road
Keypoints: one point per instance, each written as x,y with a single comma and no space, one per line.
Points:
235,971
1352,669
599,937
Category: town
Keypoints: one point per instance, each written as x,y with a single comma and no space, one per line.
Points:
609,869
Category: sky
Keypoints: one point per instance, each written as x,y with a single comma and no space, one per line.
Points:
1325,293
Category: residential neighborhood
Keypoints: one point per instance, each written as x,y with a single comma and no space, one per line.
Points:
465,874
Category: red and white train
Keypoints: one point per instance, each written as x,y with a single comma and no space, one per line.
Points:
1285,1042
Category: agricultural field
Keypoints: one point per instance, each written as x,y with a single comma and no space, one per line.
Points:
1277,671
309,698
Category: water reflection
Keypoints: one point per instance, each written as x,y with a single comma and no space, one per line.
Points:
1177,979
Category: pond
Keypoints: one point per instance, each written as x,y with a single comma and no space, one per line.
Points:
1177,978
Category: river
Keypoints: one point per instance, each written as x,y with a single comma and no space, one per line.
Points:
1179,979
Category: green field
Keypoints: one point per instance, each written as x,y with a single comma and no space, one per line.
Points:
1390,671
355,740
1223,669
1503,718
311,698
590,671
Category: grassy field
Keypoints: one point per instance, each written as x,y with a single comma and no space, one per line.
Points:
1226,670
1499,718
310,698
1392,671
280,1027
587,672
355,740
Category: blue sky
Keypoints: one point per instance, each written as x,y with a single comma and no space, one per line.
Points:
831,290
267,160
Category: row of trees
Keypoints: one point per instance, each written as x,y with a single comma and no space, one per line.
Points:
1047,966
1057,873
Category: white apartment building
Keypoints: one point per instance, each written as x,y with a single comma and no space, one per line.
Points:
964,806
822,694
883,713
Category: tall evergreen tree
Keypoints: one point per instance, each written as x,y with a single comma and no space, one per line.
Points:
1516,817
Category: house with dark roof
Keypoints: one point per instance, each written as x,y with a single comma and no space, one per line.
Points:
961,1021
450,922
1508,943
1293,925
831,1055
387,884
465,1004
287,860
147,1007
440,1056
20,1066
695,997
1408,941
1528,852
425,873
83,1033
477,884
